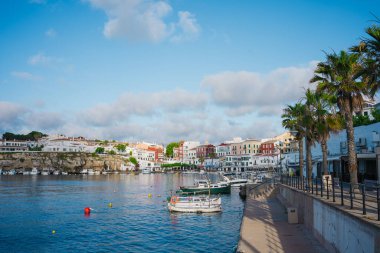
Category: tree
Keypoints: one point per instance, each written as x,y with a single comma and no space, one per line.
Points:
325,120
339,76
201,159
99,150
369,51
212,156
309,125
292,118
32,136
170,147
134,161
112,152
120,147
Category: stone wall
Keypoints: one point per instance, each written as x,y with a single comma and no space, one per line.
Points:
337,230
70,162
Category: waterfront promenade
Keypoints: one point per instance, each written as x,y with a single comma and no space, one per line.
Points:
265,228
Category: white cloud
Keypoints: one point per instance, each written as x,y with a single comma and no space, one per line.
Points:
244,92
10,115
26,76
41,59
144,20
143,104
230,104
51,33
188,27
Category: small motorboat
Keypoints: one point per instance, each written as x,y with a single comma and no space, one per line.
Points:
34,171
146,171
194,204
45,172
205,187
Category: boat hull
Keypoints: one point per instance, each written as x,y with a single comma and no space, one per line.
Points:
197,190
195,205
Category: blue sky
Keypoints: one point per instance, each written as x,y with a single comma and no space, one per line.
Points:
163,71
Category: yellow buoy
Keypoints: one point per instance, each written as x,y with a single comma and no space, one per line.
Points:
53,232
149,195
109,204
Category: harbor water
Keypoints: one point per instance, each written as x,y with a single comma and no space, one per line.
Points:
46,214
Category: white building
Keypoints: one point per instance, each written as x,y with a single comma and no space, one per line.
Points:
367,145
13,146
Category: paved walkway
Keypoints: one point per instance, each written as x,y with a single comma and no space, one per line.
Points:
265,229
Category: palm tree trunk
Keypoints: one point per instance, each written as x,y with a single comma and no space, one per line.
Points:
309,165
352,160
324,157
300,149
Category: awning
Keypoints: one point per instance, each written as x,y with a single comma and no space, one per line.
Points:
367,156
332,158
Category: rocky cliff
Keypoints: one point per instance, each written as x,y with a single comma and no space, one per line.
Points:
70,162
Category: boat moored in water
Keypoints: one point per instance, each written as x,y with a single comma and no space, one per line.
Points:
204,186
195,204
146,171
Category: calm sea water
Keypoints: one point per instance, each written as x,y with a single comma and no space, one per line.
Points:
31,207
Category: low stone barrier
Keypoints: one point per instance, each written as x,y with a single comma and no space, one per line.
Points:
337,229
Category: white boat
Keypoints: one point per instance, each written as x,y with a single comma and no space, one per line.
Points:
237,182
97,172
56,172
9,172
195,204
90,171
34,171
45,172
65,173
83,171
146,171
26,172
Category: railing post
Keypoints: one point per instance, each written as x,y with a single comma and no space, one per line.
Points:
363,198
327,187
316,186
378,203
341,194
321,187
333,188
312,186
351,200
298,183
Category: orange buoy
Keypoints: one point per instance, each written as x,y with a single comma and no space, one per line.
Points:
87,210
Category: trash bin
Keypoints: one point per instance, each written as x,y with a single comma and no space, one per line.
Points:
292,215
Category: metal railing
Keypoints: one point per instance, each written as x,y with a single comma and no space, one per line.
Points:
365,198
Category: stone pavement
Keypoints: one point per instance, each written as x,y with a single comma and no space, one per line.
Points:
265,228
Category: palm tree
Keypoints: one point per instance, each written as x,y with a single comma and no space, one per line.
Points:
309,124
326,120
339,76
369,50
292,120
